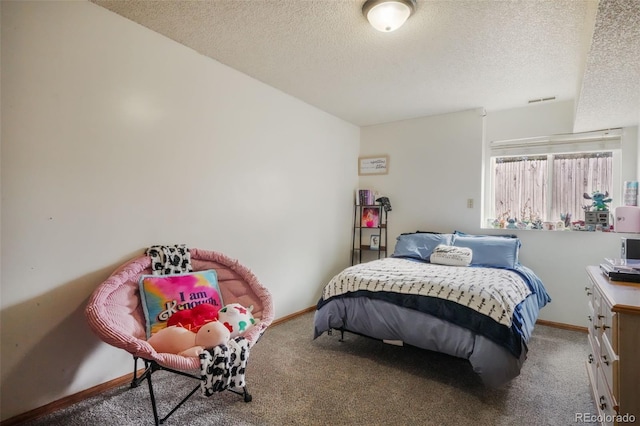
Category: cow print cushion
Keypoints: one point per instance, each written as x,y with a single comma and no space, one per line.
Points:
169,259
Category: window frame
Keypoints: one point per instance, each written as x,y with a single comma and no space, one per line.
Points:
598,141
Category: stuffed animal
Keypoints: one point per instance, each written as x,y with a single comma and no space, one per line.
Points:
236,318
179,340
190,331
195,317
599,200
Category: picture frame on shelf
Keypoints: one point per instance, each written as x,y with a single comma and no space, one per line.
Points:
370,217
374,242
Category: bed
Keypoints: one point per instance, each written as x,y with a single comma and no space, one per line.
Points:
463,295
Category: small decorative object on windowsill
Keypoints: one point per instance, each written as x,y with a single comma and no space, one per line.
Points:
599,200
578,225
630,193
596,216
549,226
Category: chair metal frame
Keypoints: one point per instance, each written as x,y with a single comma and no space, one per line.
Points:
151,367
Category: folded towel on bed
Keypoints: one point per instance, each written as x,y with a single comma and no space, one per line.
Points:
451,255
166,260
224,366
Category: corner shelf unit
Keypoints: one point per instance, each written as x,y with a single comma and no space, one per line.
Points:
368,221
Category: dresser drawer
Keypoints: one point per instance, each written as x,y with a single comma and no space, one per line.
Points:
609,362
591,316
609,328
592,357
609,325
604,401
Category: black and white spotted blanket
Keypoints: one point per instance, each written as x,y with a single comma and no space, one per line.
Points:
166,260
224,366
489,291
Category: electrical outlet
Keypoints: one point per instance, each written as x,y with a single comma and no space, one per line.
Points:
470,203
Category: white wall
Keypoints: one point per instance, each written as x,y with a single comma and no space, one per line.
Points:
435,165
115,138
637,146
433,170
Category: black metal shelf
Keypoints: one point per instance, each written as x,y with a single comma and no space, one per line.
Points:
361,232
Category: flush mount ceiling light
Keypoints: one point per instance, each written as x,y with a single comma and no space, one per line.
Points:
388,15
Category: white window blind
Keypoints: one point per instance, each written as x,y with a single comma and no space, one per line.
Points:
601,140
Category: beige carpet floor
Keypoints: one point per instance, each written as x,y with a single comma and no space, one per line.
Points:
295,380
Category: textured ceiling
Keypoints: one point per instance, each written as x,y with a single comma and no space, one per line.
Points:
610,90
449,56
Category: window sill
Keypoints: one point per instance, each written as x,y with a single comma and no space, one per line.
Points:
555,228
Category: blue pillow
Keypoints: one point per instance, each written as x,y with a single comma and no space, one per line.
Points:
419,245
492,251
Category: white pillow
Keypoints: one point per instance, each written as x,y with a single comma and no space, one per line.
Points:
451,255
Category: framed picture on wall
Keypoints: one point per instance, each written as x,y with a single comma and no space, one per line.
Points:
374,242
378,165
370,217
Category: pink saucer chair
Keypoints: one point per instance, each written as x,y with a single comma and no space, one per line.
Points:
116,315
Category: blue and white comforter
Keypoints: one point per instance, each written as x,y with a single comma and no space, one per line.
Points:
487,301
489,291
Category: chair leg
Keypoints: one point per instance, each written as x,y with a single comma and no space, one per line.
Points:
245,393
150,367
136,380
180,404
153,398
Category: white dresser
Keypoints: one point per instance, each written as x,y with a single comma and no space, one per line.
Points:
614,337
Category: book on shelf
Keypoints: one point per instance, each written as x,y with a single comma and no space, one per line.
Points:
365,197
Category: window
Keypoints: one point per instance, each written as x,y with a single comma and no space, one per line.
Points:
545,179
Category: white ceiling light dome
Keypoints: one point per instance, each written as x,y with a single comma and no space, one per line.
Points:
388,15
